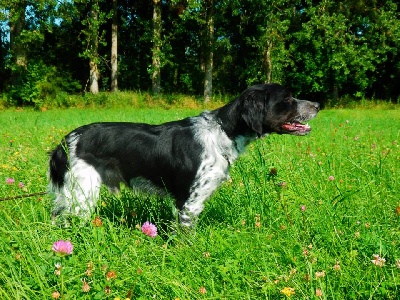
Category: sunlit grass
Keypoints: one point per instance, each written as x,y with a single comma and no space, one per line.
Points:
302,218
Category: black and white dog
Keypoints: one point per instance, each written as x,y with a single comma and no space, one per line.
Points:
188,159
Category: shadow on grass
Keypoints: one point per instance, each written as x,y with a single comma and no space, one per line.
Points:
132,209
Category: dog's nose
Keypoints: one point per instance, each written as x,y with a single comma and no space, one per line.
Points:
317,105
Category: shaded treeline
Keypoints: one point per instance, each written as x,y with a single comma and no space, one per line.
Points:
323,50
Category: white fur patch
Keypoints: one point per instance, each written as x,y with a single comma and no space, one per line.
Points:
219,153
80,191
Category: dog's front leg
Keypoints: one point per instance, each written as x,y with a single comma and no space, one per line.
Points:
200,193
189,214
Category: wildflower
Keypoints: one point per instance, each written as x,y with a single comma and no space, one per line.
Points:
10,180
303,208
63,248
336,267
288,291
89,271
107,290
331,178
378,261
318,292
97,222
57,271
85,286
283,184
111,275
149,229
398,210
398,263
55,295
21,184
202,290
320,274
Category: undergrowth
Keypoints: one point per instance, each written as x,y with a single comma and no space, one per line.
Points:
142,100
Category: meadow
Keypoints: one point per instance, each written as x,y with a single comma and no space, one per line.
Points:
314,217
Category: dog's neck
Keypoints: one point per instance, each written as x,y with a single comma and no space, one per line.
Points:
232,123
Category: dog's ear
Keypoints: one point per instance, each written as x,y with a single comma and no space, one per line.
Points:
254,104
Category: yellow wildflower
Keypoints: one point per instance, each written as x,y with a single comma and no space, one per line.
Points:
288,291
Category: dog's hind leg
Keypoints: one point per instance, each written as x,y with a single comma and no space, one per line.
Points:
79,193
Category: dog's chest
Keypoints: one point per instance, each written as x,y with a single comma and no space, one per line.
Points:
219,151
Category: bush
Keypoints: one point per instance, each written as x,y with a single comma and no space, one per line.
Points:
39,82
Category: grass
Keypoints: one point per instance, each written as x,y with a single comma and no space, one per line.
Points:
302,218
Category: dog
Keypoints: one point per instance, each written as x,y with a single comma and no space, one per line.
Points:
187,159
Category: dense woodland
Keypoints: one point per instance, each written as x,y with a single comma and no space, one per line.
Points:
323,50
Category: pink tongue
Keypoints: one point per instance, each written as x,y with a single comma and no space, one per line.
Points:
294,126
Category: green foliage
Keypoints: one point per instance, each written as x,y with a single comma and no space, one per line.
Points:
342,48
39,83
323,50
302,213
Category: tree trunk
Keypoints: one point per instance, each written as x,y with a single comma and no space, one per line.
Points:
335,93
268,61
94,43
18,49
114,48
209,52
156,64
93,77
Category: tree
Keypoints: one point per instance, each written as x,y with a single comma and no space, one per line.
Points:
340,47
93,48
93,21
320,49
208,48
114,47
156,52
17,46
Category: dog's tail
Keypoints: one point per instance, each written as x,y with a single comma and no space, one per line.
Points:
58,166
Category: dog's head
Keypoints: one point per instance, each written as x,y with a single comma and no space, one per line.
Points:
268,108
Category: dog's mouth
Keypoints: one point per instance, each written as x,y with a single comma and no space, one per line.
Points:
296,128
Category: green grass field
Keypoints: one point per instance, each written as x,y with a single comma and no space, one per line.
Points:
326,226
